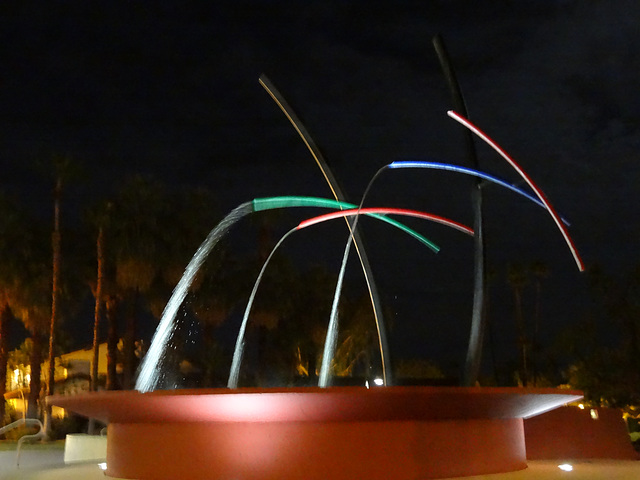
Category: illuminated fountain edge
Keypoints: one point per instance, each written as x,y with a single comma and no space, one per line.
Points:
331,433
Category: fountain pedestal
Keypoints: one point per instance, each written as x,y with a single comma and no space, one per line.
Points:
334,433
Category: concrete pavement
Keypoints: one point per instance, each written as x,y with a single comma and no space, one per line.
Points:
49,465
45,464
30,459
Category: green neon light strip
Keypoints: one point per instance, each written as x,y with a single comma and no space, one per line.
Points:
406,229
270,203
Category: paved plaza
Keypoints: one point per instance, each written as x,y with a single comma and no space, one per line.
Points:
45,464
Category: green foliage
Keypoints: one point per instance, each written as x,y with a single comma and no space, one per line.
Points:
23,260
9,414
609,374
60,427
418,368
608,378
357,353
21,355
18,432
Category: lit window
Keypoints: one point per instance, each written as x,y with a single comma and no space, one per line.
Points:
378,381
565,467
581,406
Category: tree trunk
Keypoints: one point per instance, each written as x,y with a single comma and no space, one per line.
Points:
55,293
36,369
5,316
96,321
522,336
98,311
129,347
112,343
313,366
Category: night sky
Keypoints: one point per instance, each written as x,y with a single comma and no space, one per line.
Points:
173,90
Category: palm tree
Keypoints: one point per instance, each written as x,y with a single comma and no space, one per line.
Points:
148,255
358,341
211,297
55,295
149,235
112,315
34,310
16,262
99,219
63,170
8,271
6,315
137,229
305,328
101,279
98,308
36,318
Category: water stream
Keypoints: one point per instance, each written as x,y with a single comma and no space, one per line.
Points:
234,372
152,369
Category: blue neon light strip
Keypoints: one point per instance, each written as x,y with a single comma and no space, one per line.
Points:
470,171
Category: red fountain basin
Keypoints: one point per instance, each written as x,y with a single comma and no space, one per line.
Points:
572,433
404,433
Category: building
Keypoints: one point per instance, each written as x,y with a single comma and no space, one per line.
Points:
72,376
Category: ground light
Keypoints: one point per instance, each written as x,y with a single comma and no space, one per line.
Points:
566,467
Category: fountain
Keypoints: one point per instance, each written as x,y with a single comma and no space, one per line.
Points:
316,433
335,433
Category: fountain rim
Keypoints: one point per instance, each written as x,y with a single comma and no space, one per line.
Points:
313,404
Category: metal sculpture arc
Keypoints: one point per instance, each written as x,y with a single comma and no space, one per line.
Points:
357,240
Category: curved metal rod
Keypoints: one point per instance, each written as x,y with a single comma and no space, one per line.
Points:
556,218
469,171
339,195
260,204
376,212
478,316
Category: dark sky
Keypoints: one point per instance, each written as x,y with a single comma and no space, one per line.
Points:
173,90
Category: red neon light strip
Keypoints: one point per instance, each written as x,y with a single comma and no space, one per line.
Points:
556,218
386,211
